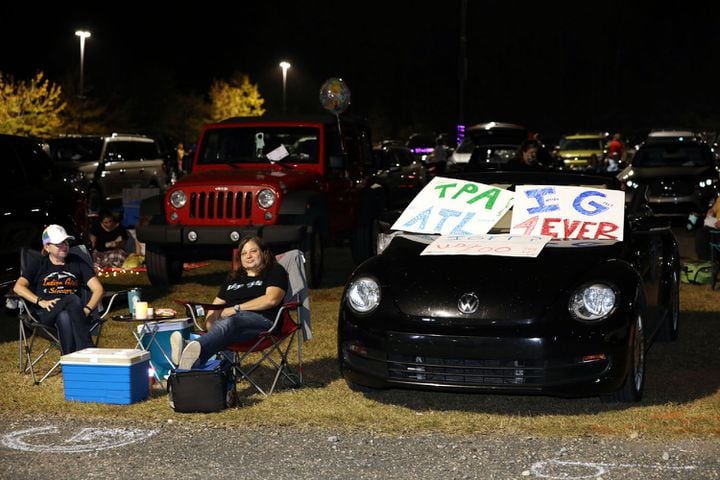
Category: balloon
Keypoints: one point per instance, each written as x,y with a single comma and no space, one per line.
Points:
335,95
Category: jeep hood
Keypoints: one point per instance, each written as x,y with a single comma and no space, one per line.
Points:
278,177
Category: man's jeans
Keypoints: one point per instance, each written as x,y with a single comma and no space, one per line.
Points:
238,328
69,318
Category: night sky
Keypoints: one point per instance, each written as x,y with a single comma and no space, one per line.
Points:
554,66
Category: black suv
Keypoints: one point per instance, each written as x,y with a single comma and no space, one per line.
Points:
34,196
102,166
682,176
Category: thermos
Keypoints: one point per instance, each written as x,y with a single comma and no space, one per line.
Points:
134,296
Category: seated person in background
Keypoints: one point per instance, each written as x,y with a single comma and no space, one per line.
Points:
702,235
526,157
108,238
52,286
253,294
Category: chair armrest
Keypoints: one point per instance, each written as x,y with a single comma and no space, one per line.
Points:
112,296
192,307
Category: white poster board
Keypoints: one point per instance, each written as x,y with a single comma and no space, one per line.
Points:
500,245
451,206
563,212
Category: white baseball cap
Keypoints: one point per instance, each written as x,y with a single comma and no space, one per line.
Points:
55,234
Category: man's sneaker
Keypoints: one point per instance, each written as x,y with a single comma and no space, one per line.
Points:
176,347
189,356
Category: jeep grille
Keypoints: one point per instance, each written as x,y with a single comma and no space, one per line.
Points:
221,205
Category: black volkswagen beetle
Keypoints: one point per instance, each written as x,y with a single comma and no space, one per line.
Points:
577,320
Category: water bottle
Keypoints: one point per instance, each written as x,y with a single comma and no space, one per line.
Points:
133,297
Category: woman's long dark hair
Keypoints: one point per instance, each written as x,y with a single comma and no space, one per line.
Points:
267,256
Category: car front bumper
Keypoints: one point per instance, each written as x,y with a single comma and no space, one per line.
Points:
179,235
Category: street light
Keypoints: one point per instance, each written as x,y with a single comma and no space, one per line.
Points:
83,34
285,66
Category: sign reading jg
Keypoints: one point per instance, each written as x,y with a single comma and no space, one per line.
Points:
450,206
563,212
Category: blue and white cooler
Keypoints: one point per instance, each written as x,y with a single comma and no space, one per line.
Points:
106,375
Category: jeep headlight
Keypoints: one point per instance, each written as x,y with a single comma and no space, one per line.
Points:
178,199
592,302
266,198
363,295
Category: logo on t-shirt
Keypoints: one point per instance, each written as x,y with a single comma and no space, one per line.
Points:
238,286
59,283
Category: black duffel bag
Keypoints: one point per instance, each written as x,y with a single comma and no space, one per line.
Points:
209,389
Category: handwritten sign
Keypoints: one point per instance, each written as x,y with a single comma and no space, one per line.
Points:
499,245
563,212
450,206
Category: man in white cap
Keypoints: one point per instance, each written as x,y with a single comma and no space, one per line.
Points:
52,286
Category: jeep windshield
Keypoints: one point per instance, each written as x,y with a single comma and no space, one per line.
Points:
75,149
259,144
673,155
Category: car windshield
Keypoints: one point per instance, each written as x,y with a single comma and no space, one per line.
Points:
260,144
495,136
75,149
681,155
493,154
581,144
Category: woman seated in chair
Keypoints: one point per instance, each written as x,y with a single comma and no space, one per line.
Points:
52,289
253,294
108,239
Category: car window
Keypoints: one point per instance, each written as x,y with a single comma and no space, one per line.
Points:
581,144
37,165
252,144
673,156
130,151
75,149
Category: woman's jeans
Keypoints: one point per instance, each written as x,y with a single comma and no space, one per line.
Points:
72,325
238,328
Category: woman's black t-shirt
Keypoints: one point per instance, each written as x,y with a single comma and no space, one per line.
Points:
244,287
103,236
50,281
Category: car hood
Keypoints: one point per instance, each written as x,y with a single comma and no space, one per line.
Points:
579,153
674,172
509,288
281,178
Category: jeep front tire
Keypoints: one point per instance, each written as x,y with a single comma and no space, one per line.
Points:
163,270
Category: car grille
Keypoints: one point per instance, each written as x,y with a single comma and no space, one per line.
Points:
466,372
221,205
671,188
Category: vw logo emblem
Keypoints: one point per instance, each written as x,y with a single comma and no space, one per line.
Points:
468,303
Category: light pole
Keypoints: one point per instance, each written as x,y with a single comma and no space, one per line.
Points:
83,34
285,66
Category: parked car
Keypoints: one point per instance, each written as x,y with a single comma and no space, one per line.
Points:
489,135
577,320
102,166
682,176
297,181
34,196
574,151
400,173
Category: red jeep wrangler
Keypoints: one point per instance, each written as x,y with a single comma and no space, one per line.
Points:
294,182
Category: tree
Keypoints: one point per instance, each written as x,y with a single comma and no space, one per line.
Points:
236,98
31,107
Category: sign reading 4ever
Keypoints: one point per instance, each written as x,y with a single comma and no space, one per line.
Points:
450,206
565,212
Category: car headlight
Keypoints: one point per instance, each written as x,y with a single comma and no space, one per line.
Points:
178,199
266,198
363,295
593,302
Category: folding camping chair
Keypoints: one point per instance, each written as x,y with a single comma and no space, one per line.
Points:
272,347
30,328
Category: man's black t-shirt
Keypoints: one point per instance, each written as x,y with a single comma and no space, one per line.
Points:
50,281
244,287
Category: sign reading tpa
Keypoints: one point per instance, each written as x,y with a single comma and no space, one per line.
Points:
450,206
568,212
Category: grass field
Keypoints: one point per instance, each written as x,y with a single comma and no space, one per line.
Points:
681,397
